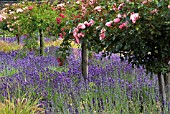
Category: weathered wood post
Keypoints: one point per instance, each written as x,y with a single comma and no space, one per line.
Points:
41,43
84,59
18,39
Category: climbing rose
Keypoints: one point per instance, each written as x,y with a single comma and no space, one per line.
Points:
109,24
134,17
117,20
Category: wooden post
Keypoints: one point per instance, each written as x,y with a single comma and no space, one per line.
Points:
18,39
162,87
41,43
84,59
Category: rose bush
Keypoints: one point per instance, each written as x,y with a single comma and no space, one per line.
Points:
138,31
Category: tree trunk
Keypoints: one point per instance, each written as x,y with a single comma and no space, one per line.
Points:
162,87
41,43
18,39
84,59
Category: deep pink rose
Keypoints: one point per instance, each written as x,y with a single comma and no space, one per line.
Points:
62,15
30,7
58,20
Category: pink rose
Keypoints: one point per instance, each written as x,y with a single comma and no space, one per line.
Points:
86,23
91,2
117,20
103,30
114,7
154,11
120,6
98,8
168,6
1,18
134,17
78,40
109,24
123,25
81,26
102,36
80,35
91,22
76,30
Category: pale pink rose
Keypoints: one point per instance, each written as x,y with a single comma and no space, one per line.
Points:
91,22
168,6
81,26
80,35
145,2
98,27
102,36
1,18
154,11
91,2
134,17
98,8
120,6
103,30
119,15
109,24
117,20
19,10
